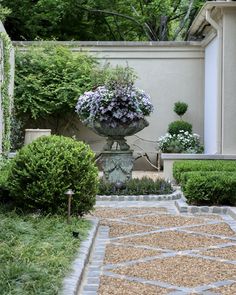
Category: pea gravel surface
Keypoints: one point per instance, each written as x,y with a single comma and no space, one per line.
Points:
156,250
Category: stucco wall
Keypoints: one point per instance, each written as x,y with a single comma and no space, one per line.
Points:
168,72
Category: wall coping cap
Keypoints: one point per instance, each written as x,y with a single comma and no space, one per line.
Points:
111,43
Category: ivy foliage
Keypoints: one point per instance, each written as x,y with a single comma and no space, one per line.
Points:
6,97
4,12
49,80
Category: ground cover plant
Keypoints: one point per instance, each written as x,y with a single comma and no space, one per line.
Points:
144,186
44,170
36,252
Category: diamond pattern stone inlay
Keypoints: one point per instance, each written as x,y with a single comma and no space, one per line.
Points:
194,271
174,240
150,251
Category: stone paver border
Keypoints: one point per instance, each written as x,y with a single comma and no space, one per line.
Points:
177,194
183,207
72,282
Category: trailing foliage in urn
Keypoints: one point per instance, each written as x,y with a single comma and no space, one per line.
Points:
116,102
44,170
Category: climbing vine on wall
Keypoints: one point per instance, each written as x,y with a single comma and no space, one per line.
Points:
6,98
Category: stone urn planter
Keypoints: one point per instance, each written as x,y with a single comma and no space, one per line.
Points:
115,110
118,134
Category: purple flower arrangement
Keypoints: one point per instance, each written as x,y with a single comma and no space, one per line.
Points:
114,105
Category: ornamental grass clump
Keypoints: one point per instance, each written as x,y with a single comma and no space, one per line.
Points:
117,102
44,170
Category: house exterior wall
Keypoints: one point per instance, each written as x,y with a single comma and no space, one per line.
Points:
229,81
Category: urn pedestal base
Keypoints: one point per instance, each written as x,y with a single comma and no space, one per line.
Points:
117,165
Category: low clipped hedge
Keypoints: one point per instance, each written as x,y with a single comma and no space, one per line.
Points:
44,170
210,188
143,186
179,167
187,175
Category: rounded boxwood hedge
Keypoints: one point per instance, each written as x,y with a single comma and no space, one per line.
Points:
44,170
211,188
177,126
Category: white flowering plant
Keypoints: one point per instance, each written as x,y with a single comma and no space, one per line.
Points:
183,142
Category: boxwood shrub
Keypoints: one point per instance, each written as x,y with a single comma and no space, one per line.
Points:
177,126
44,170
143,186
180,167
212,188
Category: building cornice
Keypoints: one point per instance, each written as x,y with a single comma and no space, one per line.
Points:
214,6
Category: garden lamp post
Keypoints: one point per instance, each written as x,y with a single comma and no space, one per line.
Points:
69,193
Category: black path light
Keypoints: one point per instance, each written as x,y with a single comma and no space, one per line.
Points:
69,193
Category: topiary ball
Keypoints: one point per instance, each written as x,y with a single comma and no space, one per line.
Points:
44,170
180,108
176,126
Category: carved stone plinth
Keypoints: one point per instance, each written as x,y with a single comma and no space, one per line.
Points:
117,165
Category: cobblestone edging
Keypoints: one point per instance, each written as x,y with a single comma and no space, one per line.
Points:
174,196
72,282
93,271
183,207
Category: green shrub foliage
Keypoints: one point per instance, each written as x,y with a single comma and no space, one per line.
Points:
187,175
180,108
177,126
180,167
44,170
49,80
144,186
212,188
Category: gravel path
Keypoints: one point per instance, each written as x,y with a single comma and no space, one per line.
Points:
155,250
